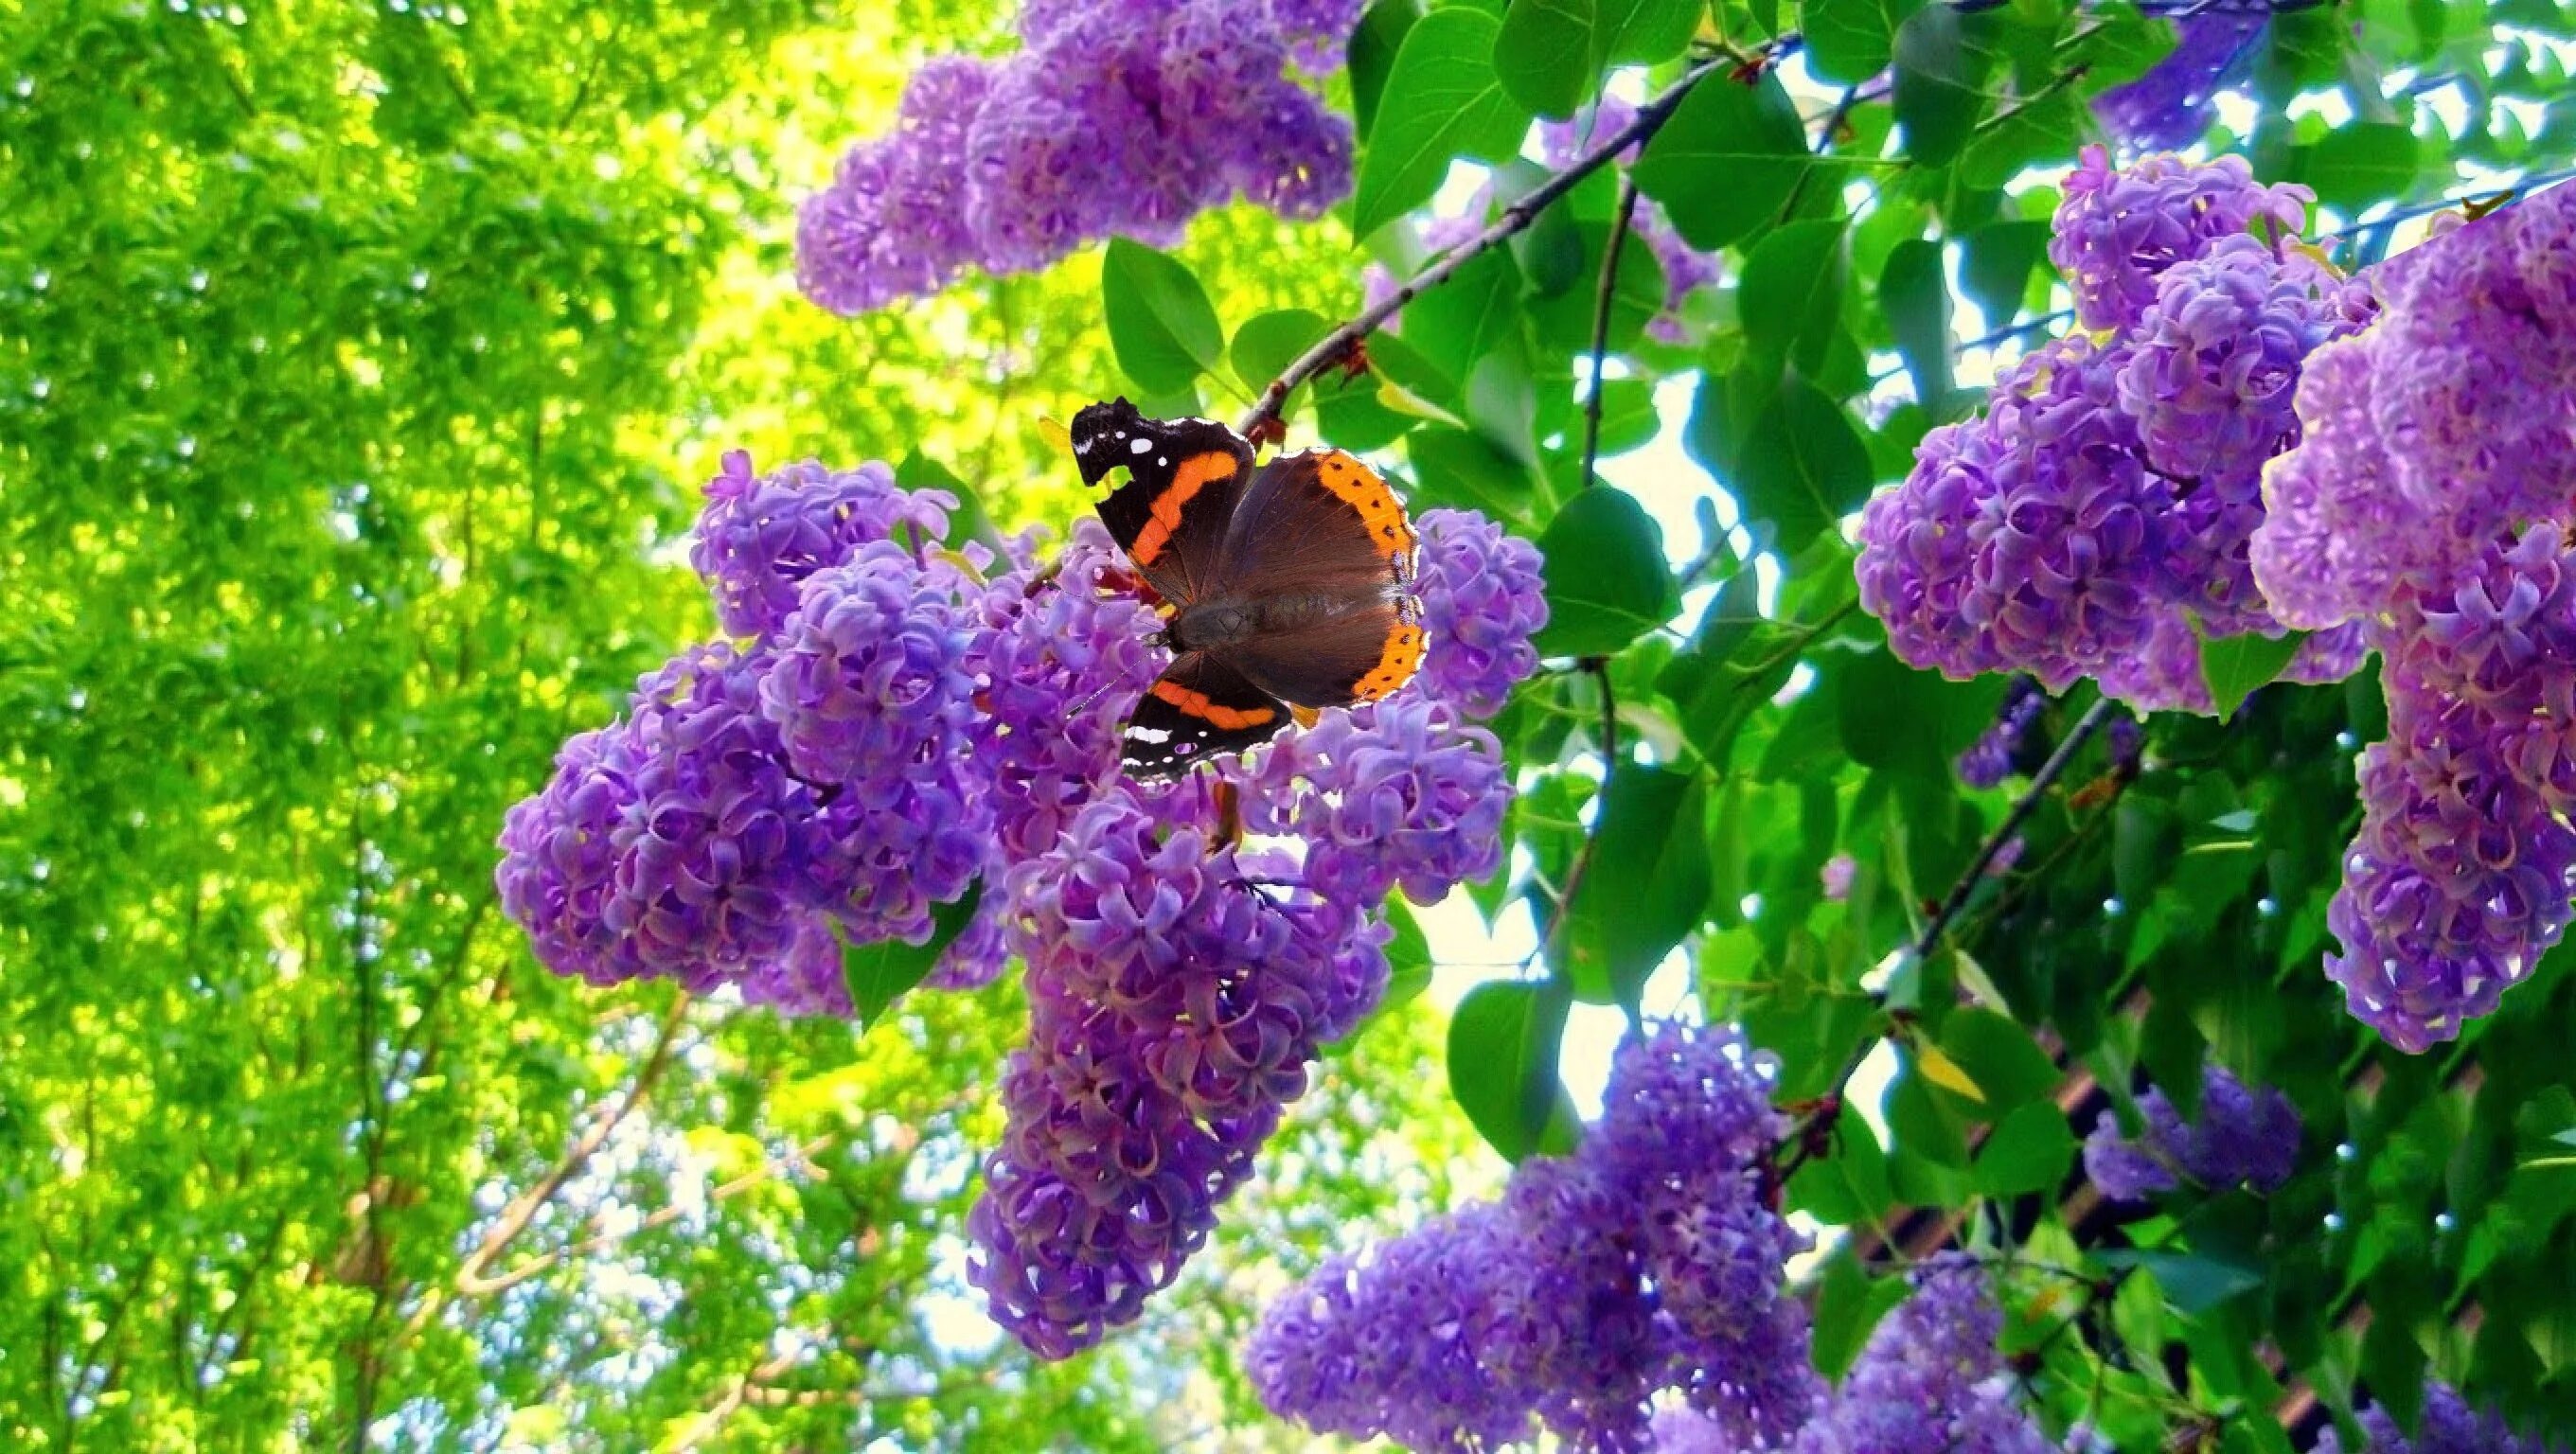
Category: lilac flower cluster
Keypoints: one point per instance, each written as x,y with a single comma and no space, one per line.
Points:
1124,117
1930,1380
2095,520
2426,507
905,718
2243,1137
759,799
2170,106
2448,1427
1649,1260
1989,759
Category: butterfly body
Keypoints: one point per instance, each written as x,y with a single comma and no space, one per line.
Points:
1286,586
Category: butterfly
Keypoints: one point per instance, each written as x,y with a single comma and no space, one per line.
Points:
1290,586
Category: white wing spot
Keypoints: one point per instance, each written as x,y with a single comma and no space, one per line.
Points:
1141,446
1158,459
1148,734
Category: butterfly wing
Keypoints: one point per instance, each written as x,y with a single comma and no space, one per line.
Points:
1328,550
1199,708
1184,477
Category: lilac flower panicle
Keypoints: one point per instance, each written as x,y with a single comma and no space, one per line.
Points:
2448,1426
1389,794
1930,1380
2117,230
760,536
1835,878
1990,759
1483,598
2243,1136
559,857
1118,117
1560,1306
711,853
2170,106
1174,1008
2425,506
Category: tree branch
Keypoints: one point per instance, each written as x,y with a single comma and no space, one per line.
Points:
1336,345
523,1209
2022,808
659,1217
1610,250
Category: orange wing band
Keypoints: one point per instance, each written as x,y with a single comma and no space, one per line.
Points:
1197,705
1395,666
1195,474
1359,486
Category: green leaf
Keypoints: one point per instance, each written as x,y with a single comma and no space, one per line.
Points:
2029,1152
1459,467
1849,1303
1727,161
2233,666
1268,343
2008,1065
1441,101
2362,162
1552,52
1791,296
1647,886
1804,466
1849,41
1607,583
1502,1061
1161,325
969,521
1916,299
1996,267
882,972
1373,50
1937,95
2193,1283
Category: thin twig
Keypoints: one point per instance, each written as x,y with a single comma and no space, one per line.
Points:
1336,345
2022,808
1610,251
796,1157
515,1217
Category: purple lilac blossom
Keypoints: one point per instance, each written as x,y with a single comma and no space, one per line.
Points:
2242,1137
559,858
2447,1427
1117,117
2117,229
2426,502
760,536
2169,107
1930,1380
1483,598
1561,1304
2098,519
1173,1008
1387,794
1989,760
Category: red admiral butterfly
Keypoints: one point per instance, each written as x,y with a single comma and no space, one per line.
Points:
1290,585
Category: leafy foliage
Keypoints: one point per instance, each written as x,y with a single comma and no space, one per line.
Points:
356,369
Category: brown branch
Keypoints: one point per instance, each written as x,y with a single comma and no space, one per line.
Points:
1610,250
520,1272
1337,345
522,1209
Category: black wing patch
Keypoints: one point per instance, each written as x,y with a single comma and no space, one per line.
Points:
1197,709
1183,479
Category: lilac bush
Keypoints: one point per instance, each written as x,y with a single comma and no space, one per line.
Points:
1930,1380
1116,117
2425,506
